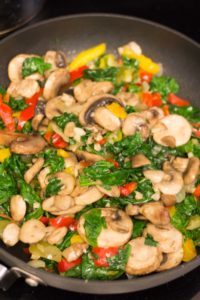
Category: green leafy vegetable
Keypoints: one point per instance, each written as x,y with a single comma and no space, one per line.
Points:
108,74
34,214
134,88
66,242
55,162
164,85
189,112
74,272
33,65
15,165
17,104
130,62
129,109
53,187
65,118
138,227
8,186
150,241
93,225
2,125
28,193
27,128
2,91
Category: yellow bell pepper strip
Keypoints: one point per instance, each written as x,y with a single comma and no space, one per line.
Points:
4,153
189,250
76,238
171,210
117,110
62,153
84,57
146,64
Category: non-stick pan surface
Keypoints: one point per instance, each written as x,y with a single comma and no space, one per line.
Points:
180,57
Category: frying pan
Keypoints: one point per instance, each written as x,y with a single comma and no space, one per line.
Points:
180,57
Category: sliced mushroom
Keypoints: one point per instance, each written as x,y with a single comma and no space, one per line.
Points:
74,251
71,211
172,260
168,200
58,105
57,204
153,114
67,181
129,99
93,103
192,171
7,137
29,145
114,191
24,88
36,121
32,231
172,130
90,196
57,236
171,184
143,259
42,177
154,176
33,170
15,66
169,238
55,81
180,164
106,119
132,210
10,235
57,59
156,213
88,88
17,207
134,122
88,156
118,228
140,160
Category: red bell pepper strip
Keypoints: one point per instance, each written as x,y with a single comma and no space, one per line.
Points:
128,188
165,109
61,221
102,141
197,191
145,76
114,162
58,142
197,133
29,112
173,99
44,220
73,226
64,265
103,254
6,115
78,73
153,99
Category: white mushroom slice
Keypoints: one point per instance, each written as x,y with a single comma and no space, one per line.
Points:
33,170
28,145
180,164
42,177
90,196
176,128
10,235
133,46
36,121
140,160
114,191
118,230
132,210
143,258
88,88
74,251
58,105
15,66
171,260
68,182
24,88
32,231
192,171
63,202
17,207
128,99
70,211
55,81
154,176
152,114
7,137
57,236
171,184
134,122
48,204
106,119
156,213
57,60
168,200
88,156
169,238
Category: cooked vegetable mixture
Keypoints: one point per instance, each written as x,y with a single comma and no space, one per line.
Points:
99,164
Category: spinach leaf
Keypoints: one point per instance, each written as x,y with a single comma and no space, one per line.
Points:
74,272
191,113
130,62
15,165
164,85
138,227
28,193
108,74
34,214
27,128
150,241
93,225
65,118
129,109
2,91
17,104
192,146
2,125
115,270
134,88
55,162
33,65
66,242
8,186
53,187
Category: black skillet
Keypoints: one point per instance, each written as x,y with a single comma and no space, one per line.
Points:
180,57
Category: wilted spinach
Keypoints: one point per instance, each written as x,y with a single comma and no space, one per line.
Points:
33,65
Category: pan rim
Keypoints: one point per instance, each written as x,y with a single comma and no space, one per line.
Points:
139,283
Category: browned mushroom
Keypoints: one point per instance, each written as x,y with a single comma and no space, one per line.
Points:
134,122
28,145
192,171
156,213
140,160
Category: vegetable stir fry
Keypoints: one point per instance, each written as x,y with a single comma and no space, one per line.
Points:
99,164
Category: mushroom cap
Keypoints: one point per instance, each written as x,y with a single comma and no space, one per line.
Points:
29,145
92,104
172,185
156,213
57,59
143,259
106,119
140,160
54,82
172,260
172,130
24,88
133,122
